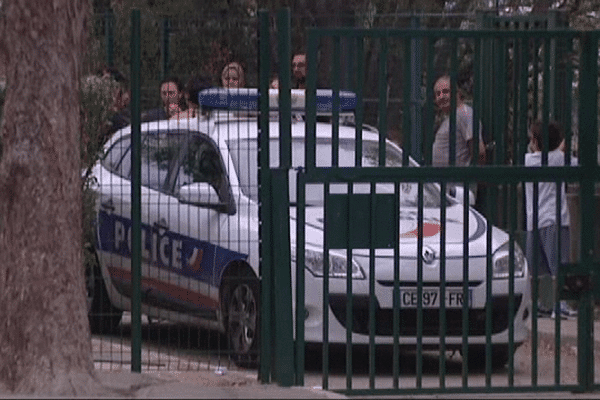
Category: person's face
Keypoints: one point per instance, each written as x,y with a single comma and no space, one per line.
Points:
299,66
532,146
441,92
231,78
121,99
169,94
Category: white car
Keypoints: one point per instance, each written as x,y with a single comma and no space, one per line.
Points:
200,239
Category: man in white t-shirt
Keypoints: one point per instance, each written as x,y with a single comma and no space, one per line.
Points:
548,226
464,130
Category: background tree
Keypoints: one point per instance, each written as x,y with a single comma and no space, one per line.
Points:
45,344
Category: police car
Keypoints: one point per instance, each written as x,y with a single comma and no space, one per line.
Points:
200,245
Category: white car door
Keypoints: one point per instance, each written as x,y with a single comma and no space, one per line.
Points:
114,211
191,217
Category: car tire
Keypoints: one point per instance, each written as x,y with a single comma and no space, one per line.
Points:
242,308
104,318
499,355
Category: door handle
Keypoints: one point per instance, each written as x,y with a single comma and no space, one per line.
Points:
161,224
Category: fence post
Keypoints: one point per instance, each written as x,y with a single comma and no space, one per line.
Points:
264,180
136,241
588,139
282,279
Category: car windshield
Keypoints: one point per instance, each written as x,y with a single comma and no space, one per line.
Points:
244,153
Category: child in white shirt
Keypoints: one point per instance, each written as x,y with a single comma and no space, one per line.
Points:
548,229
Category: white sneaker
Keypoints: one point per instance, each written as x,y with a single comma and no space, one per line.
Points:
566,312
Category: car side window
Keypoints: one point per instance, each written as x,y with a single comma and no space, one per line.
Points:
118,157
202,163
159,155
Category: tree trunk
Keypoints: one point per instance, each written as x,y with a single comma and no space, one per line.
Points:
45,345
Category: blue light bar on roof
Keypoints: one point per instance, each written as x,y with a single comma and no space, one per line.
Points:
246,99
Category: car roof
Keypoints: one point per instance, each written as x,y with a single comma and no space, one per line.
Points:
224,126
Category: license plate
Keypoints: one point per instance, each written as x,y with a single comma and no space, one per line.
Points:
431,297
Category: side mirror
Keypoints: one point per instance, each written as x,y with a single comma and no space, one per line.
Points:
458,192
200,194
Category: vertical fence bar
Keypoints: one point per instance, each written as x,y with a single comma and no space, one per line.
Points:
429,102
284,354
325,309
396,293
264,182
136,226
359,82
511,285
588,109
372,296
311,100
335,103
285,99
166,31
416,147
477,103
383,103
420,285
282,280
300,279
465,287
523,101
453,100
409,139
349,295
535,283
360,104
383,92
109,37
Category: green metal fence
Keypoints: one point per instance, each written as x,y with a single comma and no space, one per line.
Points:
512,78
126,277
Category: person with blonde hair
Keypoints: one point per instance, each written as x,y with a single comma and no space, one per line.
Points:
233,76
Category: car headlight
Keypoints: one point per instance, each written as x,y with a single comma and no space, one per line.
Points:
501,262
338,266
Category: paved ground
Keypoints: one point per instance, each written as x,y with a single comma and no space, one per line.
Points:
203,381
213,381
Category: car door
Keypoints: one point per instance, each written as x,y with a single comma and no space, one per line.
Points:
159,154
192,217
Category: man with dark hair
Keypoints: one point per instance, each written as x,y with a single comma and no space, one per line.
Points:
299,71
193,87
171,94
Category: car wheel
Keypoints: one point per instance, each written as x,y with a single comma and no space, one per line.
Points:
103,316
499,355
243,325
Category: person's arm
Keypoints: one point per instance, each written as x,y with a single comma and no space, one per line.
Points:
482,156
464,122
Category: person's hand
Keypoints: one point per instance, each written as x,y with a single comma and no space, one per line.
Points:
173,109
189,113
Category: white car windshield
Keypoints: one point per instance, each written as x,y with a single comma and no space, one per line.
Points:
244,153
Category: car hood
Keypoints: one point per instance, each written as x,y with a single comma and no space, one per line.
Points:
408,231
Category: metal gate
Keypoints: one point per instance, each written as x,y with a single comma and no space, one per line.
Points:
383,237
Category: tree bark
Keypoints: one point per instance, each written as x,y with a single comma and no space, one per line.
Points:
45,345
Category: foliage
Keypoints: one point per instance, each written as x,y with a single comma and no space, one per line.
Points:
96,97
194,38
